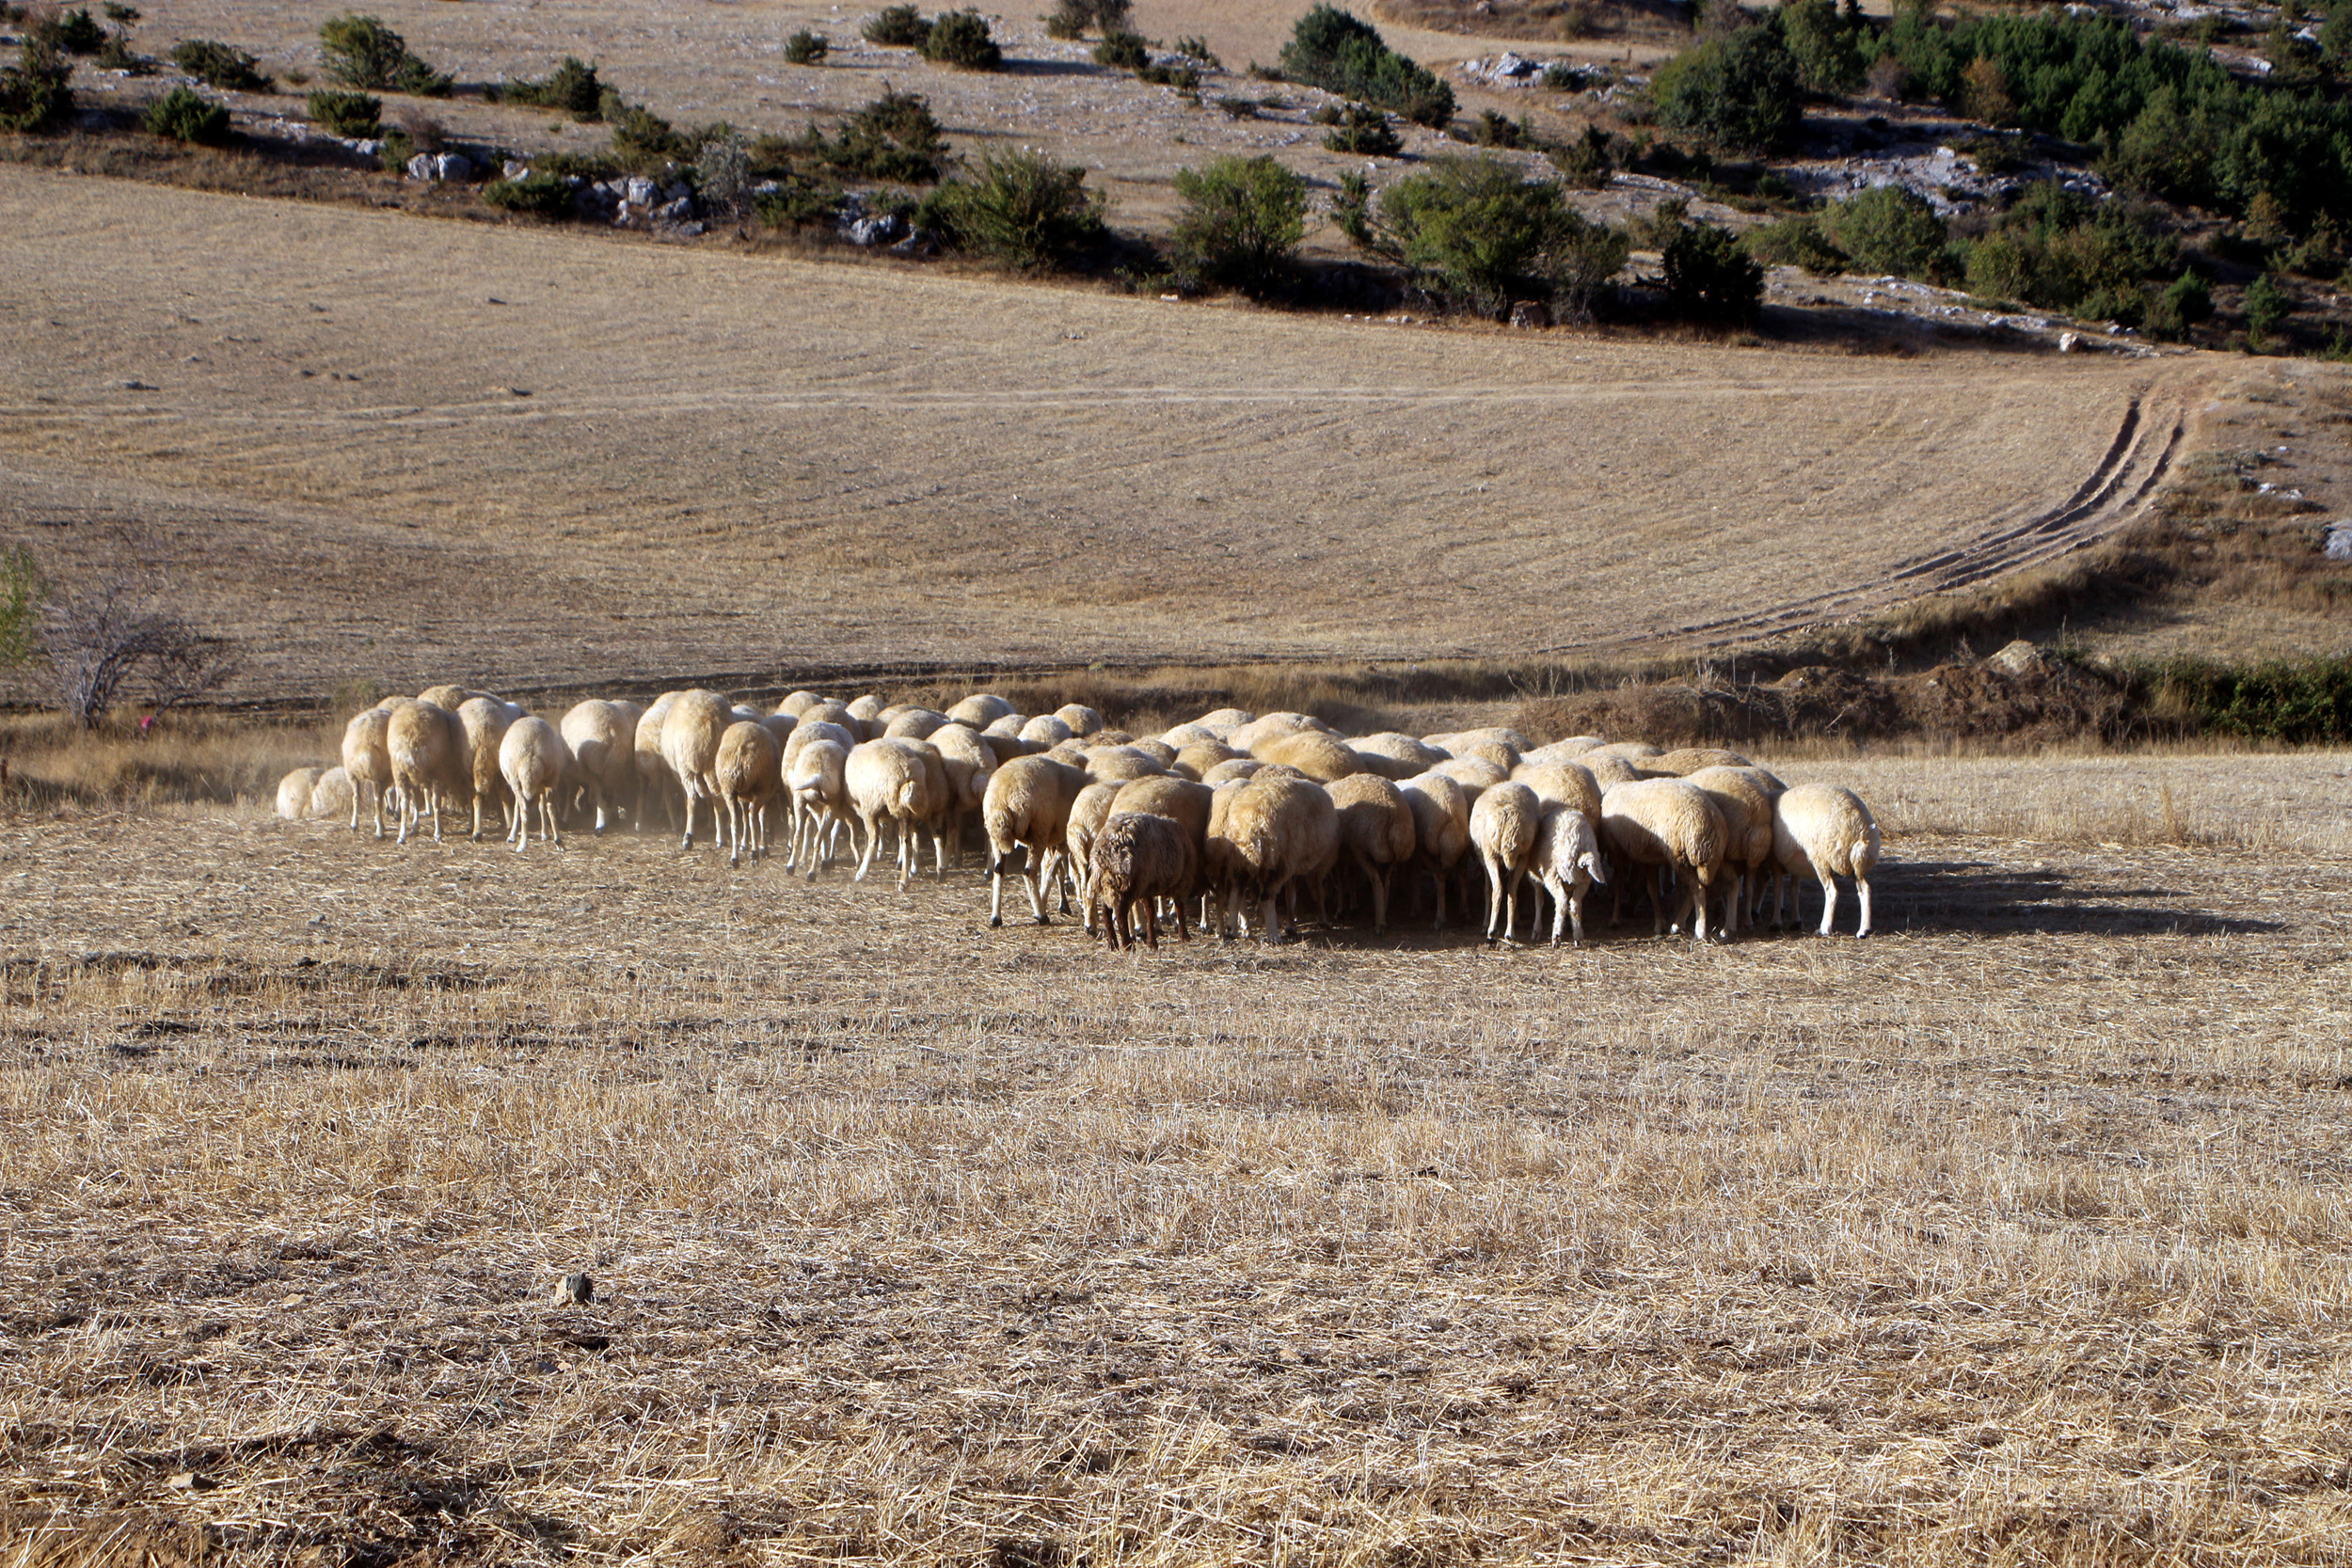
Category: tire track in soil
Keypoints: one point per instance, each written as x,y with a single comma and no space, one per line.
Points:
2115,493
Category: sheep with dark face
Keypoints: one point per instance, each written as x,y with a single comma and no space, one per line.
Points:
1139,859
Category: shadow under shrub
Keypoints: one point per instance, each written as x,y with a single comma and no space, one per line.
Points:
1020,209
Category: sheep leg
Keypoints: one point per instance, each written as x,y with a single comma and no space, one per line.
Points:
1862,892
735,831
546,804
1829,896
1494,890
1511,906
1151,923
996,884
1436,878
873,839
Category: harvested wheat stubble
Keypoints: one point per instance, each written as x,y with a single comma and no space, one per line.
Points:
909,465
2015,1236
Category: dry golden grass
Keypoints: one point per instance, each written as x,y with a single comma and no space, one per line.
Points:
2015,1235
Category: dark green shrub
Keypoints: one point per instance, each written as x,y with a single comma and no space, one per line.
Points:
2302,704
361,52
74,32
33,94
1181,75
1124,52
2187,302
2060,250
1826,45
219,65
1362,130
2267,306
899,27
540,194
397,148
1239,108
572,87
1795,242
1193,47
1495,130
1888,230
960,39
805,48
1588,160
1332,50
576,166
185,115
798,203
643,140
1709,278
358,115
1021,209
1073,18
1474,232
1741,92
115,54
1240,221
893,139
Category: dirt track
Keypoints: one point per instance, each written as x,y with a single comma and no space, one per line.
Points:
385,445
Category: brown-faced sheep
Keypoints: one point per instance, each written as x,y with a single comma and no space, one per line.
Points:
1275,829
1375,833
1565,862
483,721
1182,801
1503,825
1141,858
368,762
533,764
1673,827
690,744
1026,808
889,782
603,743
429,764
1441,810
749,771
295,791
1830,831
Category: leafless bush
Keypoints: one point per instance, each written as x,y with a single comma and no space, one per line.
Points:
115,631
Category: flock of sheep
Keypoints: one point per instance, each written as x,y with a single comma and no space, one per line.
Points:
1227,814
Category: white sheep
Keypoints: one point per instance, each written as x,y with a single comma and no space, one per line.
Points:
1045,731
448,697
1440,808
1562,783
1565,863
1570,749
295,792
690,744
427,750
484,723
968,760
1376,832
1320,757
533,763
332,795
913,724
1082,719
1829,829
1747,811
1276,830
798,703
749,771
368,762
1672,827
981,710
1394,756
889,782
820,799
602,739
866,710
1026,808
1503,825
1685,761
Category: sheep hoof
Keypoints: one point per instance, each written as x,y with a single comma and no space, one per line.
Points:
994,921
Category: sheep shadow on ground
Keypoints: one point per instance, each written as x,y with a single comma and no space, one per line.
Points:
1984,899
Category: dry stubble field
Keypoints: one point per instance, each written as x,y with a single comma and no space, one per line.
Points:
2013,1235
